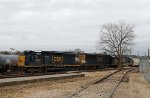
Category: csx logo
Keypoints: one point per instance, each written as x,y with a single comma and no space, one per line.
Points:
57,59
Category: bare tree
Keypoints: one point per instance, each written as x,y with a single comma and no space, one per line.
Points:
116,38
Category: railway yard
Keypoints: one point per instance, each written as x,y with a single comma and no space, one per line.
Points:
74,49
114,83
56,74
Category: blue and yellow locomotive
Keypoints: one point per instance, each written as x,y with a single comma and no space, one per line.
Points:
41,61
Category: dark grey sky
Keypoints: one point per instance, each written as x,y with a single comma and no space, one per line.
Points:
68,24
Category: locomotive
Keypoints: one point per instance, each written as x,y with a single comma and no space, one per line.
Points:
41,61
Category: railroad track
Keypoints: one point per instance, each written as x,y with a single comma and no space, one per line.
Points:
102,87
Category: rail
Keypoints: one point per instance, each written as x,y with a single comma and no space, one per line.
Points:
110,95
92,83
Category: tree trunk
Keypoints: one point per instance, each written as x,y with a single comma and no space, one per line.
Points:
119,62
120,57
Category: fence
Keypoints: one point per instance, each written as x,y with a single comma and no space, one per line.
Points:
145,69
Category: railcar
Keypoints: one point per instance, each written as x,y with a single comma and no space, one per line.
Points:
95,61
9,63
88,61
135,62
126,61
106,60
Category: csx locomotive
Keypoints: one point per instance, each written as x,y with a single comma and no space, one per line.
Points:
32,61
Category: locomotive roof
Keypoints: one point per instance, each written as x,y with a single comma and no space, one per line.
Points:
62,52
51,52
58,52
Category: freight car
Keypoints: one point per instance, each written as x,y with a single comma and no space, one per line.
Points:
126,61
8,62
42,61
135,62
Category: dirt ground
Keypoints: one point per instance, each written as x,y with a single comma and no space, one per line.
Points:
50,89
135,88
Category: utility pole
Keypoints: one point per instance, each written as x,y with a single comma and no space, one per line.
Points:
145,56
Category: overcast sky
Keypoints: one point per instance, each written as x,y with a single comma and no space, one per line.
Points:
68,24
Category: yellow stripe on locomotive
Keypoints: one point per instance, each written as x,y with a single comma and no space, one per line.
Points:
82,58
21,60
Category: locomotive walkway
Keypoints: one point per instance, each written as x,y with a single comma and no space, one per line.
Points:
25,80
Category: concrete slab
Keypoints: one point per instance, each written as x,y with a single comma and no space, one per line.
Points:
25,80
